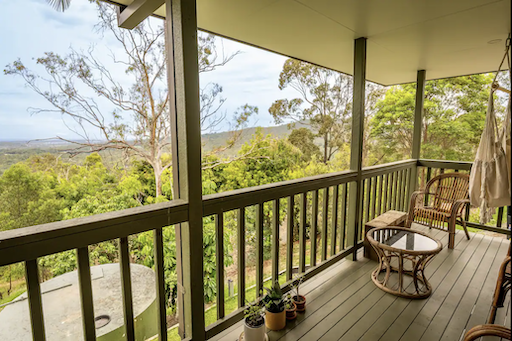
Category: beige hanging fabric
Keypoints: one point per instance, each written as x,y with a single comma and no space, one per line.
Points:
489,182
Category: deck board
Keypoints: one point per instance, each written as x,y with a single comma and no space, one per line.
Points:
344,304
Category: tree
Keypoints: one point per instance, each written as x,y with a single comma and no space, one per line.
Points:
139,123
304,140
324,103
454,116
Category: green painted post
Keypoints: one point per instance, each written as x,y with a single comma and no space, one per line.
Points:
418,124
183,85
356,147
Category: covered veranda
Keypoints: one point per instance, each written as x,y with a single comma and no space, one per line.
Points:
387,43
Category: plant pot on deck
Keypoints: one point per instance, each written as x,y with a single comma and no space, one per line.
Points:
291,313
300,302
275,321
254,332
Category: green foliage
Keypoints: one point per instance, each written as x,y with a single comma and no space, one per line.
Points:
273,300
254,314
324,103
454,117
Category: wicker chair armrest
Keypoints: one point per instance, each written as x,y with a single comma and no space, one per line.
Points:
417,199
459,205
487,330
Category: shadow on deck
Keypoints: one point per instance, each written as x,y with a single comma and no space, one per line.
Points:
344,304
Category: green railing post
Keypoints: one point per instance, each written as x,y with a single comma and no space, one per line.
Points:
356,147
183,87
418,124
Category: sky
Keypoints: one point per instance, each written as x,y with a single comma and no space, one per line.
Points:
29,28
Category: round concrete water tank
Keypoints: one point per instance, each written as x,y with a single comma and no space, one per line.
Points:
62,309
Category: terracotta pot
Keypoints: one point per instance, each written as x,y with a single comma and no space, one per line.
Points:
291,314
300,302
275,321
254,333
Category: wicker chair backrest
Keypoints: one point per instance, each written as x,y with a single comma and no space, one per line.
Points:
447,188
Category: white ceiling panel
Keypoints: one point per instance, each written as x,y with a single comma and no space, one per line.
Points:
445,37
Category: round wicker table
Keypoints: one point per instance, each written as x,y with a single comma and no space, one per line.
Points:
403,256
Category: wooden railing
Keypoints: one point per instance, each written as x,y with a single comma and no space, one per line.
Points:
430,168
315,210
320,204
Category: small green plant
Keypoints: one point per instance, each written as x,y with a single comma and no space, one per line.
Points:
288,303
254,315
273,300
296,285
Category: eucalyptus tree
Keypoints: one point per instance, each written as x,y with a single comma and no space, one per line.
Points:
133,117
324,103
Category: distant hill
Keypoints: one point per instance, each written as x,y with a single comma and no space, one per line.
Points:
12,152
211,141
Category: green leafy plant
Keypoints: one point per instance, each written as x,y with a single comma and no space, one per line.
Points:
288,303
297,282
273,300
254,315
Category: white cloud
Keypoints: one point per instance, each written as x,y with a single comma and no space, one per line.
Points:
30,28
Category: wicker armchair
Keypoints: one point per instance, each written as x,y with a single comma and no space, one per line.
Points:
503,285
477,332
441,204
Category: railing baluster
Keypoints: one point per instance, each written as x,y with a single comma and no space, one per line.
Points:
402,188
314,224
398,180
124,257
325,214
407,195
343,215
367,200
34,300
259,247
392,191
289,238
374,197
158,241
241,257
302,233
361,210
429,174
334,221
85,288
385,189
500,217
275,240
379,195
219,263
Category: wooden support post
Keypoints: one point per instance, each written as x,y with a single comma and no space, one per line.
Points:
35,304
275,240
417,130
241,257
183,85
356,147
126,288
219,263
85,289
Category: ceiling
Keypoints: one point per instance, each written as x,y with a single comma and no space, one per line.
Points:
444,37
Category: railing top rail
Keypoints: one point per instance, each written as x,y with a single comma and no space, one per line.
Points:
447,164
35,241
227,201
368,172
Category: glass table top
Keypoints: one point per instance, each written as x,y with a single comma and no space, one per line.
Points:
405,240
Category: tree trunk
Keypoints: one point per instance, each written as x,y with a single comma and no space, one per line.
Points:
158,181
326,140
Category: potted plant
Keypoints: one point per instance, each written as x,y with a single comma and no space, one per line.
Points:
254,323
298,299
291,308
275,315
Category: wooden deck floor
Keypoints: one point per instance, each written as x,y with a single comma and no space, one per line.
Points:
344,304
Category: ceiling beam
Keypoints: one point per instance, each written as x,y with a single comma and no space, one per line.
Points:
132,15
